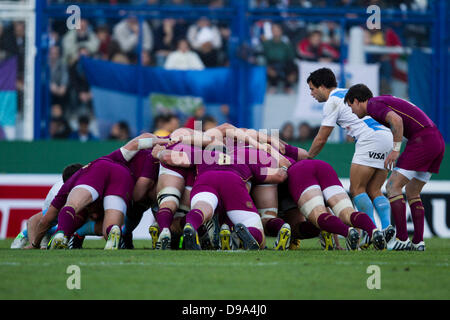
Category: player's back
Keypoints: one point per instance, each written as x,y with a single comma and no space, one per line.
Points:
336,111
414,119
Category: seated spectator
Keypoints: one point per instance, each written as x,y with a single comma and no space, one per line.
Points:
59,77
120,131
279,57
75,39
287,132
83,133
206,40
208,122
167,36
126,33
59,128
183,58
166,124
313,49
305,132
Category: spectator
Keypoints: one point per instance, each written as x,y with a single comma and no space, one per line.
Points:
183,58
126,33
120,131
199,113
208,122
167,36
56,111
59,128
388,62
12,42
287,132
76,39
313,49
206,40
80,94
305,132
166,124
146,58
104,37
59,76
83,133
279,57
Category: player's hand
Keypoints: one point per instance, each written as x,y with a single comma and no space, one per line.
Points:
391,159
172,141
28,247
156,150
303,154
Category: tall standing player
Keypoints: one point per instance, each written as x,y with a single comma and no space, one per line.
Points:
373,144
421,157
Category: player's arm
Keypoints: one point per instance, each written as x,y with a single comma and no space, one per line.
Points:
232,132
396,126
171,157
37,232
274,175
319,141
143,141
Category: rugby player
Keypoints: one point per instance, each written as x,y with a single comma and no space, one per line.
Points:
421,157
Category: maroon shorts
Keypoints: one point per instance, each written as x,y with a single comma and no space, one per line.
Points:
423,152
306,173
228,187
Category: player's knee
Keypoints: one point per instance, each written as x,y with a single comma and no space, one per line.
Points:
356,189
411,192
392,188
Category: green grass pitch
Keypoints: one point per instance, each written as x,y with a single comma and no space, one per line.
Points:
308,273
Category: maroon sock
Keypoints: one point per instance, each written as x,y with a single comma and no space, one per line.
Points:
332,224
418,218
164,217
66,218
195,218
308,230
398,209
361,220
273,226
256,234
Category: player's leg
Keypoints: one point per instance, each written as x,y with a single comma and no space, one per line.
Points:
338,200
381,202
115,209
340,203
312,206
360,176
169,190
72,216
413,190
394,189
265,198
203,204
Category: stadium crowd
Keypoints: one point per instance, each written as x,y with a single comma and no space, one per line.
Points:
180,44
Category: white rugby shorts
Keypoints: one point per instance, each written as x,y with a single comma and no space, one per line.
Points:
372,150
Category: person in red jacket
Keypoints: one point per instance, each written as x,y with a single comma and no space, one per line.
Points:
313,49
